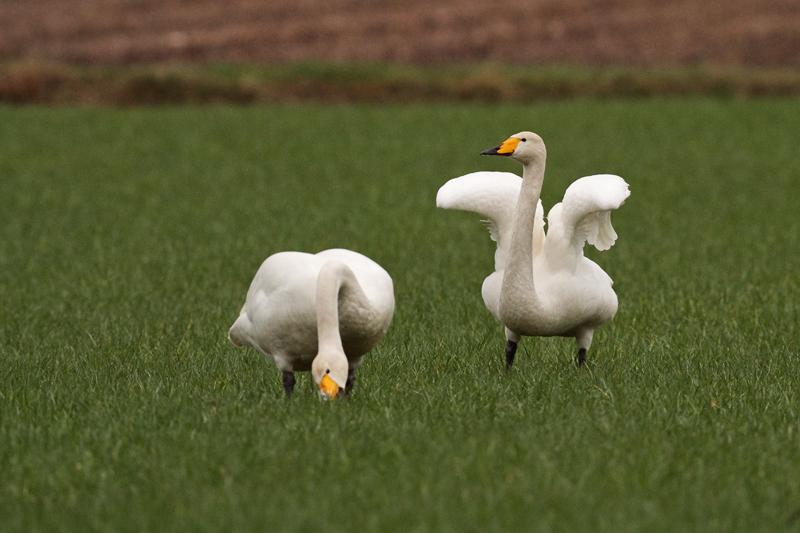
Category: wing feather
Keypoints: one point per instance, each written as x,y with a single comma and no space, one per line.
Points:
492,195
584,216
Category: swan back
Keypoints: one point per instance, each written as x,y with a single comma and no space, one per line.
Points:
493,195
279,316
374,280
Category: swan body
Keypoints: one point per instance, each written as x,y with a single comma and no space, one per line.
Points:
542,284
320,312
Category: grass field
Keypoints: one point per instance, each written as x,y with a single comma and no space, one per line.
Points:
128,239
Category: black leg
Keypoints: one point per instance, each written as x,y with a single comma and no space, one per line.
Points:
511,350
351,381
580,359
288,383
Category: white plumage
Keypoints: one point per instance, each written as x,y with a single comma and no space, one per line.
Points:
490,194
320,312
542,284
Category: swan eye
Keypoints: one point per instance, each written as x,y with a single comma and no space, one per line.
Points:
523,140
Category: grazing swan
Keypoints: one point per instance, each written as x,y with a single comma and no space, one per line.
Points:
321,312
542,284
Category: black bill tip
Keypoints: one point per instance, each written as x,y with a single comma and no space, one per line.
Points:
491,151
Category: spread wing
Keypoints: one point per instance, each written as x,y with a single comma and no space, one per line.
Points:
584,215
492,195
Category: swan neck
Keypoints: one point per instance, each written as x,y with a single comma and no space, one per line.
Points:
336,285
521,240
518,290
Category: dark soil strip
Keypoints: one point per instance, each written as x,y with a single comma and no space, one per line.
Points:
27,83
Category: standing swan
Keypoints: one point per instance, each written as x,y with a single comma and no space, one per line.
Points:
320,312
542,284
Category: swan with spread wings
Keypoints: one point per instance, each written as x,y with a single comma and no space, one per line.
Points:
542,284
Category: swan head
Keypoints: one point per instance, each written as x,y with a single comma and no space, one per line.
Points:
329,370
525,146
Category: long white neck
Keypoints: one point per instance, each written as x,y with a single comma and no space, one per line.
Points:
518,294
336,287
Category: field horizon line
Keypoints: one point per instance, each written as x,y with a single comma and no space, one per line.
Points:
34,82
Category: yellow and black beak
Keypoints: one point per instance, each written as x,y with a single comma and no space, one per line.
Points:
328,387
506,148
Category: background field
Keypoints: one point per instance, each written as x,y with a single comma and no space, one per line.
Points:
126,52
536,32
128,239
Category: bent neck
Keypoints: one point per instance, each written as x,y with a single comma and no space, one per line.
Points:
335,282
518,289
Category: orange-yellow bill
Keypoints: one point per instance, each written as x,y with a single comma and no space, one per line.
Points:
508,146
329,387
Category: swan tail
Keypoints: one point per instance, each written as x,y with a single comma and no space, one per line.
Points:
585,212
237,333
493,196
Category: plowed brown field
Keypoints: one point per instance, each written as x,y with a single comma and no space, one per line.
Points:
587,32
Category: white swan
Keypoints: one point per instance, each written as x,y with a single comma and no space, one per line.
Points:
542,284
321,312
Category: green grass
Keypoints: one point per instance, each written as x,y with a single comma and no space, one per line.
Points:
128,240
